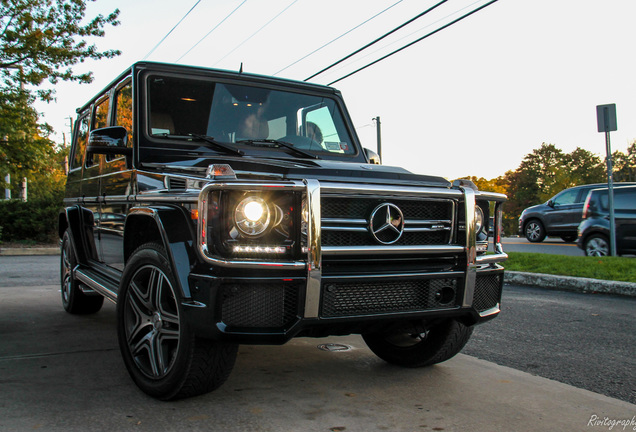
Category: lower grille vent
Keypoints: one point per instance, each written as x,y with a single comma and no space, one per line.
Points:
487,291
260,305
370,298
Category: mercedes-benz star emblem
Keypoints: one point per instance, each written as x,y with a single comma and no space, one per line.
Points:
386,223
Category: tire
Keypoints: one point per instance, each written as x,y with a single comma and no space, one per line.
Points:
596,245
163,356
73,299
568,238
434,345
534,231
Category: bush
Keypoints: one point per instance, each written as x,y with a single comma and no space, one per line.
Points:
34,220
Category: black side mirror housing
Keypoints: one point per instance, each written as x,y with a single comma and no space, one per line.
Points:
372,157
110,141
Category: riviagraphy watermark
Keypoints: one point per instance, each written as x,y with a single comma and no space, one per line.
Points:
612,423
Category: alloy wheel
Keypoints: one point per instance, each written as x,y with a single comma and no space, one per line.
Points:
152,322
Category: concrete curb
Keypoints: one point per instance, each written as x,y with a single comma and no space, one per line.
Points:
568,283
29,251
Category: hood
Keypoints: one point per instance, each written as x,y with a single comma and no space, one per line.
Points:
247,168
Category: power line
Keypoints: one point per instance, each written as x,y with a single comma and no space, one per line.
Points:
210,32
255,33
398,41
378,39
342,35
168,34
415,41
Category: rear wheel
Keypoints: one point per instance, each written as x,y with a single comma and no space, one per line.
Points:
73,299
420,347
596,245
163,356
534,231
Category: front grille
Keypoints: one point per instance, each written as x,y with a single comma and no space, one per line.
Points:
487,291
345,220
260,305
345,238
381,297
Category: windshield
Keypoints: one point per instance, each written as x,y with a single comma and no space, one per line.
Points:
230,113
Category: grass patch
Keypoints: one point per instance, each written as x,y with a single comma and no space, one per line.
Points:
605,268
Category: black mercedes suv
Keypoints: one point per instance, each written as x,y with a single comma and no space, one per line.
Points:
218,208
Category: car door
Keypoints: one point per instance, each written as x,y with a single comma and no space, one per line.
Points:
564,210
115,186
625,216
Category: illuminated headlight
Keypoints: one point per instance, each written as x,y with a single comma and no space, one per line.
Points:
252,216
479,219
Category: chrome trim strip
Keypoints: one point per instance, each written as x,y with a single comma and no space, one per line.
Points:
86,279
489,312
387,190
392,250
314,253
423,276
471,247
490,259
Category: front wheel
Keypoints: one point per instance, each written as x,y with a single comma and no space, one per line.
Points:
534,231
596,245
163,356
421,347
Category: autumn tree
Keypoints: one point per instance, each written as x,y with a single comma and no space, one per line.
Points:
40,40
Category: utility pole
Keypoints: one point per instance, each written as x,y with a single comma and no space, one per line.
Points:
378,125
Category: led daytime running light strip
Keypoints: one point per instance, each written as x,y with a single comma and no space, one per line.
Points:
260,249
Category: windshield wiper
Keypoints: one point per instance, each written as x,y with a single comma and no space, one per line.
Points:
217,144
278,143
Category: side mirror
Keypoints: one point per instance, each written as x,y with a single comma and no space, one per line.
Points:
110,141
372,156
550,203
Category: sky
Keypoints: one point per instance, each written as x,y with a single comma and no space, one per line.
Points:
470,100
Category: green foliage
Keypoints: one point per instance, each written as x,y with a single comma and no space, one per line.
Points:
43,39
604,268
625,164
34,220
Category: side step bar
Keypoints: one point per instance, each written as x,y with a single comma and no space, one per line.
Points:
96,283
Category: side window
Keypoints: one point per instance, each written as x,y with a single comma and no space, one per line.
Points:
567,197
625,199
123,110
100,119
81,138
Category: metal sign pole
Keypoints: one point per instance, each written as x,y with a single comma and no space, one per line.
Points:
606,117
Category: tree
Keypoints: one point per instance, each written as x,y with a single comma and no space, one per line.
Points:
625,164
43,39
39,40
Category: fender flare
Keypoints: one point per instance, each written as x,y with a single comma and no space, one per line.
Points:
178,241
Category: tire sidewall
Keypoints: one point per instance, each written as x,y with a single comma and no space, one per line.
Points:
170,384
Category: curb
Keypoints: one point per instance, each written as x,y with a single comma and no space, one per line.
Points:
29,251
569,283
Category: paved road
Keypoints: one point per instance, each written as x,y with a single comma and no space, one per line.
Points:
586,340
60,372
551,245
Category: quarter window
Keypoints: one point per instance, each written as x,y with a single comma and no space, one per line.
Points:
81,139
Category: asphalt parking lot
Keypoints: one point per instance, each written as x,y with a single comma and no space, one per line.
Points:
63,372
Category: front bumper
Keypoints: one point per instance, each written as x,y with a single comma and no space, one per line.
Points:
351,289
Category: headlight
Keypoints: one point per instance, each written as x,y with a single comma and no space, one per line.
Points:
479,219
252,216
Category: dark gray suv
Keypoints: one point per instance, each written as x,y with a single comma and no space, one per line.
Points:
594,231
559,216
